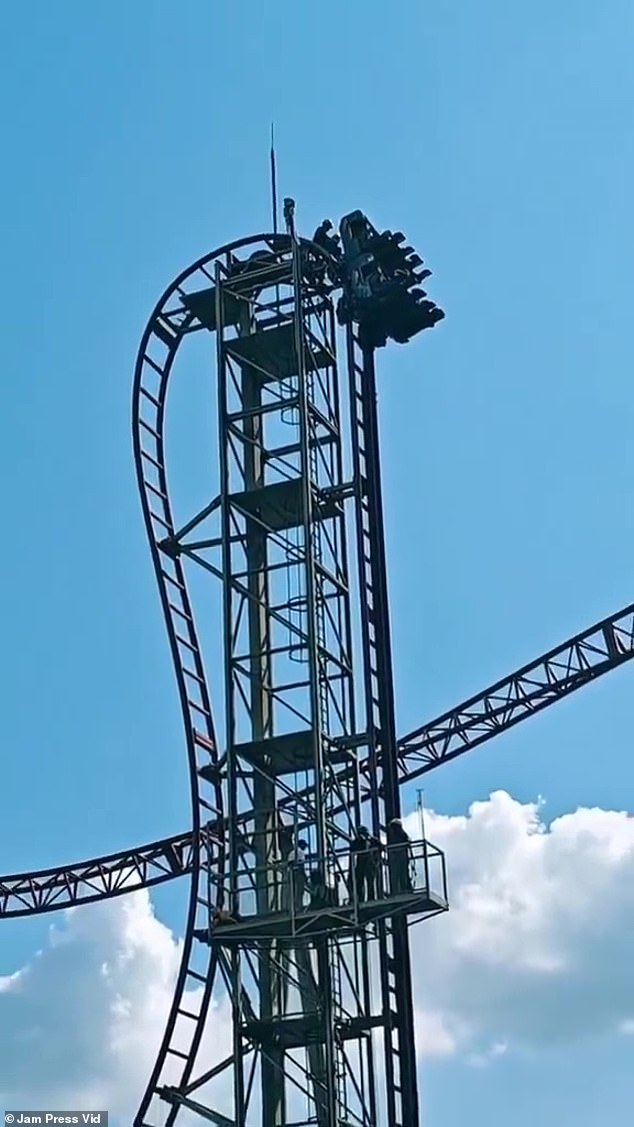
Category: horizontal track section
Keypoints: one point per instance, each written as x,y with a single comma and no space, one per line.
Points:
571,665
101,878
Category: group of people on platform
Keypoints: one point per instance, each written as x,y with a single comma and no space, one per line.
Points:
364,881
306,888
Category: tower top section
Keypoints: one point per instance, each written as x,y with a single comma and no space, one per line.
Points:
381,277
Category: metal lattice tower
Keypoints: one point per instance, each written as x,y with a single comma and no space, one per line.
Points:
318,974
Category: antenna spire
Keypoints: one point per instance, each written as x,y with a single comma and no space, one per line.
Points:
273,179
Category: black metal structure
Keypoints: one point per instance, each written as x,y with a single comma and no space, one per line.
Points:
317,976
580,660
293,533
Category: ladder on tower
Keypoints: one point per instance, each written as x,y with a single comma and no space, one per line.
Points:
333,954
400,1058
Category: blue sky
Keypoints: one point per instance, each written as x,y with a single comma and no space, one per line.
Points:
500,140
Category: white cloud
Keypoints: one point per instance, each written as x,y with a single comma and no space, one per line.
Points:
433,1036
90,1010
536,949
480,1060
537,944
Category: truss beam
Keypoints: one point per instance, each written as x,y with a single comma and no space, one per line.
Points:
594,652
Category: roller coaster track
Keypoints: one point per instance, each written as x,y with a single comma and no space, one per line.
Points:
168,326
575,663
155,360
48,890
173,319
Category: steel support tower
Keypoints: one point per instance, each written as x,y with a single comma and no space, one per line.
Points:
317,969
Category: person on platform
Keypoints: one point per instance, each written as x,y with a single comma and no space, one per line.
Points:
297,874
321,894
324,238
244,845
222,916
286,841
364,865
399,857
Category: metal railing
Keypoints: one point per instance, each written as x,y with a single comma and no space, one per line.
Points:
346,880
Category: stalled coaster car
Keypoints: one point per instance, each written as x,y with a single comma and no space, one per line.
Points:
380,276
381,282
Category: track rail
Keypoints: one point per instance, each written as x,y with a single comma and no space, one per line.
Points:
582,659
154,365
168,326
571,665
171,322
48,890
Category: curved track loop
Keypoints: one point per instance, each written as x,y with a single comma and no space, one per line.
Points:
28,894
169,324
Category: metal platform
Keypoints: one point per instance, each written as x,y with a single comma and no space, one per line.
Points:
273,353
280,506
288,1033
309,924
413,883
288,753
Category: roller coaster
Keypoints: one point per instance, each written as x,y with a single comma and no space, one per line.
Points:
310,750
